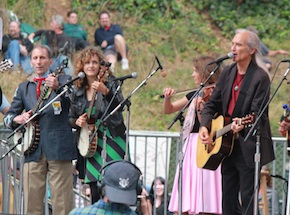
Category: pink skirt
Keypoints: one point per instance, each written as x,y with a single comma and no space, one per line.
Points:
201,188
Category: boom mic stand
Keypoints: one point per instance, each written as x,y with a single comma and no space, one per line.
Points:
180,117
102,122
124,102
257,157
21,127
130,95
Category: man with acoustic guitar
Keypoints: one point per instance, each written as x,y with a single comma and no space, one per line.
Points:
242,89
52,152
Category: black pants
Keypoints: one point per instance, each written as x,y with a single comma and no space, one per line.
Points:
95,192
237,178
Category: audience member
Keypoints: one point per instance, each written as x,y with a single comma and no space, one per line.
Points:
75,31
155,198
197,184
51,152
240,90
119,191
110,38
17,48
57,41
4,104
98,82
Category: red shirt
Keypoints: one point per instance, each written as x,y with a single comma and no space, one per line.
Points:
235,92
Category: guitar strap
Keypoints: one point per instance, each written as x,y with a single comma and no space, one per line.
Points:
245,86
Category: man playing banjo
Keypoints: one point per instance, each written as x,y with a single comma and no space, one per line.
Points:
54,148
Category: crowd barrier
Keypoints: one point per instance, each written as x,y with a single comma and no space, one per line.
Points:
155,153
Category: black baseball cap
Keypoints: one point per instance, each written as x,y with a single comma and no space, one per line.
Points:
121,181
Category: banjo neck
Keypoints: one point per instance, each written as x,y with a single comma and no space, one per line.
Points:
104,68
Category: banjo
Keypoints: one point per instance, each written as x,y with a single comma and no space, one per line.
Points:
86,147
31,137
5,65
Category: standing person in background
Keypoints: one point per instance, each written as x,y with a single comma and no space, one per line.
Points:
75,31
111,40
54,149
57,41
242,89
148,201
198,185
17,48
4,104
97,80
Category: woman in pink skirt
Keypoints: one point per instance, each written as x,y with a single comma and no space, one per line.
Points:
201,188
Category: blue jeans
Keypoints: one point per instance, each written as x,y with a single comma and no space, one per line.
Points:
13,53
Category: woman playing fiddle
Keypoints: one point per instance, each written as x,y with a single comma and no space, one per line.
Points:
89,101
201,188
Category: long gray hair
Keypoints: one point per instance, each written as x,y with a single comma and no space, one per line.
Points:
254,43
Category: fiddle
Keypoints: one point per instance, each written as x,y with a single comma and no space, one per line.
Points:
191,90
206,92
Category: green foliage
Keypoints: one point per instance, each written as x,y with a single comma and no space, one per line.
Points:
177,32
271,18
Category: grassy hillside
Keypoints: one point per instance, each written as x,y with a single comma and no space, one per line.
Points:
176,35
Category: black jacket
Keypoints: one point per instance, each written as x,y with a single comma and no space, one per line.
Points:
114,123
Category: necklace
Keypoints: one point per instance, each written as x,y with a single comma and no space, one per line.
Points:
238,81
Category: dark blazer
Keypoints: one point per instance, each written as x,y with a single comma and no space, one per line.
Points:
56,137
115,122
255,93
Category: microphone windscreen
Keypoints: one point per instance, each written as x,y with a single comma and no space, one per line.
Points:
163,73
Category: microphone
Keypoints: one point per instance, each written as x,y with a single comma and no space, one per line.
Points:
230,55
81,75
132,75
163,71
287,60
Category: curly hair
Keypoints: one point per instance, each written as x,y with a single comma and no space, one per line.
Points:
84,56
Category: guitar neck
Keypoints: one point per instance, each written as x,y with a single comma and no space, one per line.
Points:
223,130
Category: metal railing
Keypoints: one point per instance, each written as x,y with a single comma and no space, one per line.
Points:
155,153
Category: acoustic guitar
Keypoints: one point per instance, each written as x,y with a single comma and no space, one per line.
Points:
209,156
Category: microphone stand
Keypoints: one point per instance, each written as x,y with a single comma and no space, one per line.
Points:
257,157
102,122
21,127
124,102
179,116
